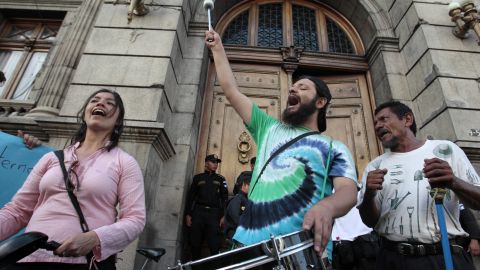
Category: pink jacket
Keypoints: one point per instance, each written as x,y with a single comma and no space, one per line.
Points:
105,179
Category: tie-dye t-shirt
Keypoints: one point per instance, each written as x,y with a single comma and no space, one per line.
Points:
292,182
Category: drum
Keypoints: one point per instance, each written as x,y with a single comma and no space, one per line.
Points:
292,251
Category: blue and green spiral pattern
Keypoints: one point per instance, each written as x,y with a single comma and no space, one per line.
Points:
292,182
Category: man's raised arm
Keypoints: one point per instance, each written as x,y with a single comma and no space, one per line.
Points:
241,103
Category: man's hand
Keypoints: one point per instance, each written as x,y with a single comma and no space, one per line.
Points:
212,39
30,141
474,247
188,221
374,183
320,218
78,245
439,173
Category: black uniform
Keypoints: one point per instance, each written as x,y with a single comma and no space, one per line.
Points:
206,204
234,210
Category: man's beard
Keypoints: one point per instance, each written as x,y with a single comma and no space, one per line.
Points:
300,116
391,144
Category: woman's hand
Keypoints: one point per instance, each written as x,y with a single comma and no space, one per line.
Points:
29,140
78,245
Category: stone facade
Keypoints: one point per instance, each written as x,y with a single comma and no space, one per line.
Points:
158,63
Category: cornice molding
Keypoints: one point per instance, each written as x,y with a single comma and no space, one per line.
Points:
307,59
153,133
379,44
42,4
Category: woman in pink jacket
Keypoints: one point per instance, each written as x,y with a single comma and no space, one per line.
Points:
103,176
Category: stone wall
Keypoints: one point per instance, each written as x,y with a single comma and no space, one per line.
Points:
442,71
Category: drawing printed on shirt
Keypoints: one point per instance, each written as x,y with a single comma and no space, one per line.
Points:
393,224
376,164
410,212
418,176
472,176
442,151
396,201
395,181
427,215
396,173
448,195
401,225
449,215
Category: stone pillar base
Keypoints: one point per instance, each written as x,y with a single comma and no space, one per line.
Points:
43,111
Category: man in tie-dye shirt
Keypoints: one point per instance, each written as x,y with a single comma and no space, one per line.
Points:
287,196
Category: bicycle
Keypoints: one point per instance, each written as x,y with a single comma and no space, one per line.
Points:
18,247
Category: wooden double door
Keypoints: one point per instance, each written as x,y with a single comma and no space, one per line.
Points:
349,117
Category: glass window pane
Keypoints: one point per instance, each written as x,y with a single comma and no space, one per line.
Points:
304,28
49,32
237,31
26,83
270,31
338,41
8,63
21,32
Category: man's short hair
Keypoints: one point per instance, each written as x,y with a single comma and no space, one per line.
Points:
400,110
322,91
252,160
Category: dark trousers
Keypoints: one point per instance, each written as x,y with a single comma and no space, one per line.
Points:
205,225
392,260
354,255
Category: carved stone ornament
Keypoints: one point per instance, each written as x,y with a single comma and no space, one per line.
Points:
291,58
244,147
291,54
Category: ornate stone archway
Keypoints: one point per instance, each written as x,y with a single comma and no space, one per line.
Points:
387,71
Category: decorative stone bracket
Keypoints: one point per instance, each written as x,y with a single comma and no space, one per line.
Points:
291,57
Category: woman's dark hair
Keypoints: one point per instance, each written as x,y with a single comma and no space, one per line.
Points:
79,136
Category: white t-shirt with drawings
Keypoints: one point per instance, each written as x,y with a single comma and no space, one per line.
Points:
408,211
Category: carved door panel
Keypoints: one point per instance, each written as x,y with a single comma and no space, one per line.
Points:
223,130
349,118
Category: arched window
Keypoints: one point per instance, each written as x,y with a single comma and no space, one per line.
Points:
301,24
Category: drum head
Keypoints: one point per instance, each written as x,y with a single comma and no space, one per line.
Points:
15,248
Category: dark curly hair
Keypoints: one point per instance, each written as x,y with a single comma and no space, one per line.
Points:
80,134
400,110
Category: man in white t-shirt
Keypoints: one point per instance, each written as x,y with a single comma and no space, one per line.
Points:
396,196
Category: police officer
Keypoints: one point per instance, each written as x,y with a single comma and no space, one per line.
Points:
205,207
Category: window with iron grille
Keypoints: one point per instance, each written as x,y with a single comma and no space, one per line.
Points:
304,28
312,27
237,31
24,46
337,39
270,30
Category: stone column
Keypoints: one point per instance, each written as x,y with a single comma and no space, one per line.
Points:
58,74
